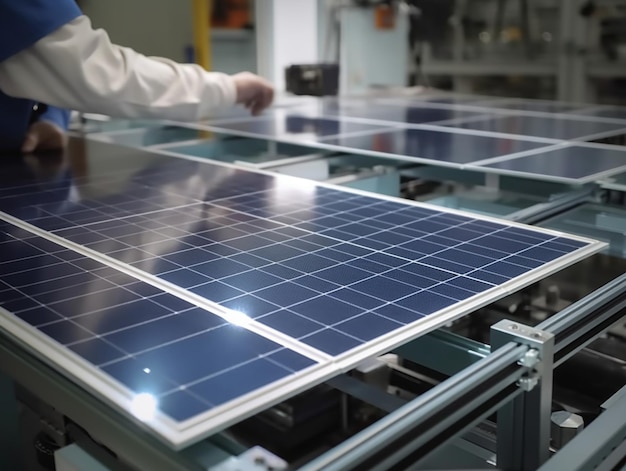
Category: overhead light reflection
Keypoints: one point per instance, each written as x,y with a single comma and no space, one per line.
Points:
144,406
238,318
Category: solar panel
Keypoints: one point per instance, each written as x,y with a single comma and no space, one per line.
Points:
553,128
584,163
219,291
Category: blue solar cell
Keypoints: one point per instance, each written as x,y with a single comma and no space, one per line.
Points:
121,316
36,316
286,294
417,281
136,376
65,332
426,302
368,326
217,291
316,284
541,254
252,280
356,298
576,162
308,263
450,291
181,405
331,342
291,323
326,310
488,277
468,284
97,351
164,330
384,288
290,360
236,382
399,314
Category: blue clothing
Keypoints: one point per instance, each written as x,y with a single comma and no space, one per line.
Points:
23,23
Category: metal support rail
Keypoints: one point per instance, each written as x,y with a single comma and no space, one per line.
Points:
413,431
580,323
447,410
542,211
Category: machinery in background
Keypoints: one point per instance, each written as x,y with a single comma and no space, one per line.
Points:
313,80
545,49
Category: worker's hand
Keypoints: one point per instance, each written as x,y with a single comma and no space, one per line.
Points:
254,92
44,135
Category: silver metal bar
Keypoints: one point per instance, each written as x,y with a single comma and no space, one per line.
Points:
523,442
542,211
367,393
577,325
423,421
443,351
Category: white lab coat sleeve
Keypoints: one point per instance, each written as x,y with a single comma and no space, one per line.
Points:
77,67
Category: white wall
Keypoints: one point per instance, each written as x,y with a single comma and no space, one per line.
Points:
286,34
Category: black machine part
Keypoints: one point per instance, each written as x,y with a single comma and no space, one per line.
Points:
312,79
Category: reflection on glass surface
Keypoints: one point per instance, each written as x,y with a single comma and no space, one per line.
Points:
451,148
390,111
574,162
144,406
237,318
154,136
291,126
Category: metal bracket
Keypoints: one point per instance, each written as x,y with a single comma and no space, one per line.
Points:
523,441
540,345
255,459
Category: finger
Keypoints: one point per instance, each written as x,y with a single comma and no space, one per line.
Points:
30,142
256,108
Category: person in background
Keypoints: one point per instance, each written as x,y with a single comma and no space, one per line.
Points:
53,60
